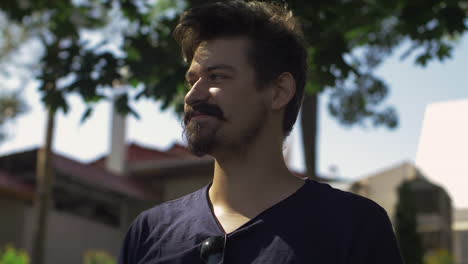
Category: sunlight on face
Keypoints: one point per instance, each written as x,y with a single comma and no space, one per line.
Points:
220,77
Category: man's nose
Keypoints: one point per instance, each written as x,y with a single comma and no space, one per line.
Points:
198,93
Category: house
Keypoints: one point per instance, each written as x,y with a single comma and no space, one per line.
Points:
460,233
171,174
442,155
93,206
433,203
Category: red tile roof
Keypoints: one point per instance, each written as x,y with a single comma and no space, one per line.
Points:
180,151
102,178
95,174
137,153
13,186
92,176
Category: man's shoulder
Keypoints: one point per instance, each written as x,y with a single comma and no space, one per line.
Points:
144,234
344,202
361,226
166,212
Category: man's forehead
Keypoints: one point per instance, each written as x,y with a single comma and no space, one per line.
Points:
211,67
196,67
220,51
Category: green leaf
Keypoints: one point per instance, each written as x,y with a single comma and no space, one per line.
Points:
98,257
313,87
55,100
13,256
134,82
133,54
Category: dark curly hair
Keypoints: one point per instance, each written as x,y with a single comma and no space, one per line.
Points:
277,42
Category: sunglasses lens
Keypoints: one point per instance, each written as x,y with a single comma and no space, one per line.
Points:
211,250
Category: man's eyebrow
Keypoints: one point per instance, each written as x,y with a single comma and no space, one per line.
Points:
190,74
220,67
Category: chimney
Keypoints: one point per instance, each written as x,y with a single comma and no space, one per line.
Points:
116,158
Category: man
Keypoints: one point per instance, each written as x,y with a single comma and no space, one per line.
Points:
246,78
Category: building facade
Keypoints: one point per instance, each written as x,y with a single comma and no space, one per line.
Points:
92,206
433,203
460,236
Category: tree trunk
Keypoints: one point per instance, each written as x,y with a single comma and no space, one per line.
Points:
43,199
309,121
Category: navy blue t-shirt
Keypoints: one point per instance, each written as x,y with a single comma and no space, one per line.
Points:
316,224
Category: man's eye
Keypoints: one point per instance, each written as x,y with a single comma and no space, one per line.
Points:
215,77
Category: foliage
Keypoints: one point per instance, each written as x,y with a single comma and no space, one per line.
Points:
441,256
13,256
406,226
11,105
347,41
16,256
98,257
70,64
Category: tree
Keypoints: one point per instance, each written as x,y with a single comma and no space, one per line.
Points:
406,226
69,65
346,40
11,106
349,39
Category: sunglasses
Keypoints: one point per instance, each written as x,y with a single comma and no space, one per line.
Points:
212,250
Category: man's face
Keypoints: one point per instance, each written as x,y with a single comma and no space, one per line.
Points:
224,110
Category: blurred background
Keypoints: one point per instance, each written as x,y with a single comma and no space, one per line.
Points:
91,95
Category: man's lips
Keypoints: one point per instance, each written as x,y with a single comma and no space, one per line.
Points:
203,111
201,115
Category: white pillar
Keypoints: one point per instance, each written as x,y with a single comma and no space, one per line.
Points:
116,158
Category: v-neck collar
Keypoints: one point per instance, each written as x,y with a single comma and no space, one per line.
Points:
252,222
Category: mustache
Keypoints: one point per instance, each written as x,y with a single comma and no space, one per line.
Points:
204,108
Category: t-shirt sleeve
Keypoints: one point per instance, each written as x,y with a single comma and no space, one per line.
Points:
375,240
130,252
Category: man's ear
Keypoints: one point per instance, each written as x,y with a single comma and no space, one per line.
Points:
284,90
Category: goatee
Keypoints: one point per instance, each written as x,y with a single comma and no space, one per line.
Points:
199,142
203,137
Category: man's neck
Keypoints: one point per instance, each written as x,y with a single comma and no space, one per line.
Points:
249,184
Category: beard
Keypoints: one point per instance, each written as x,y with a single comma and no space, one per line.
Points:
200,137
204,137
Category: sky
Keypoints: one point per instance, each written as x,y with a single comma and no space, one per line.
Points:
354,152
